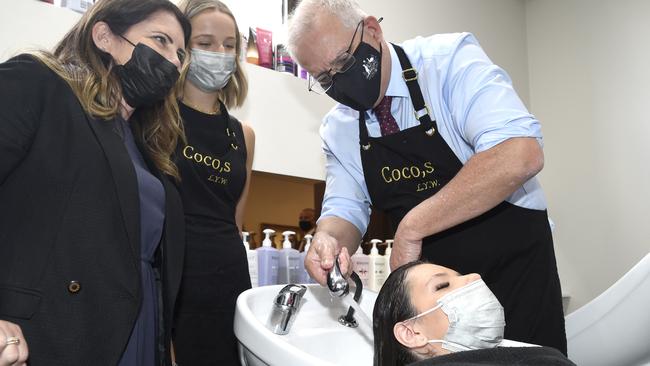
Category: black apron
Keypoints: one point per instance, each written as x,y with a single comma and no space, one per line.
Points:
509,246
213,170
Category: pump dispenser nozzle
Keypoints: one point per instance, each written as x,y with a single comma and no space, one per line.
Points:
374,249
267,239
245,235
308,238
389,246
286,244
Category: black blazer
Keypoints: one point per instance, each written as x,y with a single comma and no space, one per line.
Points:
70,225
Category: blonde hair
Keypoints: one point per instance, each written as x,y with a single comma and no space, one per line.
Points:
234,93
88,71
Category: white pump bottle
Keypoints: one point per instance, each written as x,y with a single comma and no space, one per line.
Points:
389,251
268,261
304,275
288,270
377,267
251,255
361,265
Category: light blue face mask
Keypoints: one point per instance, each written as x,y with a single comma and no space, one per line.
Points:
211,71
476,319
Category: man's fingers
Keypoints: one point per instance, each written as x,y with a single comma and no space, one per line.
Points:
326,252
345,262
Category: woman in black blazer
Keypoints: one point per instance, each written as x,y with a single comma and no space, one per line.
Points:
91,225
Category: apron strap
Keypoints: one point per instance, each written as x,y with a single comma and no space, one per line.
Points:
421,110
410,75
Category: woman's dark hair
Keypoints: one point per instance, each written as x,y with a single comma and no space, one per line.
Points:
87,69
393,305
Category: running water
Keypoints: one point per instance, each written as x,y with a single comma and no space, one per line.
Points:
365,325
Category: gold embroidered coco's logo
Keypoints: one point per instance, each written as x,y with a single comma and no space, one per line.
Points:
207,160
407,172
394,175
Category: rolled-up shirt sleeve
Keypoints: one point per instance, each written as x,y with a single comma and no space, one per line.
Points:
345,196
485,107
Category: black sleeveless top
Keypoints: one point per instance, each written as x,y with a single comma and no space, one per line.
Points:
212,165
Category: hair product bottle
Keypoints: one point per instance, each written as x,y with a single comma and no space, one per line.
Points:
251,255
389,250
267,260
377,267
361,264
304,275
288,269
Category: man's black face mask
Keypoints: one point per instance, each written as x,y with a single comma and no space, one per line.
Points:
359,86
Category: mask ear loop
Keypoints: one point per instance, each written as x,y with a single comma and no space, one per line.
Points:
442,341
124,38
424,313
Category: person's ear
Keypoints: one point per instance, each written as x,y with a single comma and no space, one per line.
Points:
408,337
373,28
103,37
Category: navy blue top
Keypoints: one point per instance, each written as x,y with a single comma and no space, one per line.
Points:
141,349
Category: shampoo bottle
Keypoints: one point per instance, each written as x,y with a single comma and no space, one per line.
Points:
377,267
304,275
267,260
288,270
389,250
252,259
360,264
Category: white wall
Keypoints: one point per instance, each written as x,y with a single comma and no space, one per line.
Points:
499,25
589,77
29,24
286,116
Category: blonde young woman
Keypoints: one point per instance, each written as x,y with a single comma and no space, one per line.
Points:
215,165
91,230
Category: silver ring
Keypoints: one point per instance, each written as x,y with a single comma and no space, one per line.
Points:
12,340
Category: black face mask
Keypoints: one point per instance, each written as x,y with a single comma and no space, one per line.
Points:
147,77
358,88
305,225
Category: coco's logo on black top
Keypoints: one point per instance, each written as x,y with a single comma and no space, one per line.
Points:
207,160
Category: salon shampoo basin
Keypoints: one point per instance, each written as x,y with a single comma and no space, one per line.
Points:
614,328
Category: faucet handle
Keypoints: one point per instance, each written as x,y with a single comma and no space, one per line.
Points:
290,295
336,282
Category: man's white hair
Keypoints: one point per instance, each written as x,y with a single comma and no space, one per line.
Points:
303,17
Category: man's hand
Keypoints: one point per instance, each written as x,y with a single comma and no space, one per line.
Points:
13,346
407,246
321,256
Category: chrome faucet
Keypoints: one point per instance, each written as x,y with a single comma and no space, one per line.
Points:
285,306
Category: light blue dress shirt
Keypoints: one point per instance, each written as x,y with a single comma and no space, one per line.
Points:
471,99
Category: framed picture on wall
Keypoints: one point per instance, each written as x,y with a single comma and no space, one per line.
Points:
277,237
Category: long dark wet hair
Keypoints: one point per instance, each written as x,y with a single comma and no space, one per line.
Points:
393,305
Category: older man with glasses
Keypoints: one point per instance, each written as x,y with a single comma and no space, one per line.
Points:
432,133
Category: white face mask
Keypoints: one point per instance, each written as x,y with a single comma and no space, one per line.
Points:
476,319
211,71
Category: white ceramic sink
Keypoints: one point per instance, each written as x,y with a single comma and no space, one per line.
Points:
316,337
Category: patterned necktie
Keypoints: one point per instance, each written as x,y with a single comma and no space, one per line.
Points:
387,122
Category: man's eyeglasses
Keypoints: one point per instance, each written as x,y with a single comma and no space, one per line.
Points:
323,81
